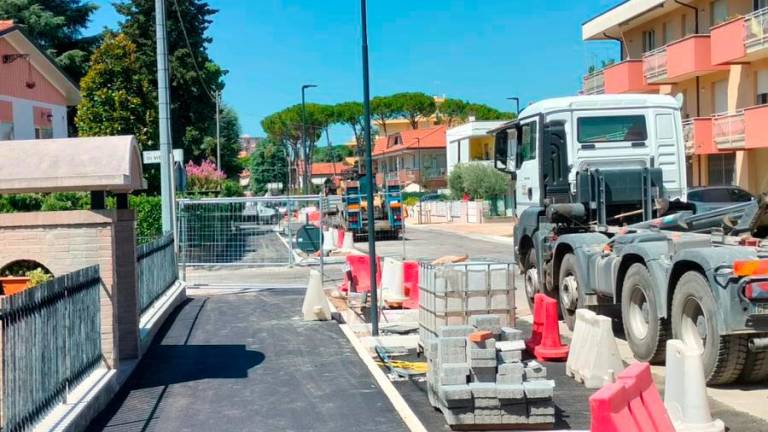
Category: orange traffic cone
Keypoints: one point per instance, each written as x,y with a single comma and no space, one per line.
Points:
545,341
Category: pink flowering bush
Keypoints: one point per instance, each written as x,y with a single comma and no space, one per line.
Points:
204,177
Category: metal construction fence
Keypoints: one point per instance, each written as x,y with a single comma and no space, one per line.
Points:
250,231
157,269
51,339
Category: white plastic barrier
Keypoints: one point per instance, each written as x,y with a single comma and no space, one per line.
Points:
328,237
594,357
349,241
685,390
315,307
392,281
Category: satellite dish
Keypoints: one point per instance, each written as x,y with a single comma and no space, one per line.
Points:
680,98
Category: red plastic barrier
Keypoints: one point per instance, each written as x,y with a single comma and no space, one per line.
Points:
545,335
313,217
411,284
360,269
645,402
609,410
340,238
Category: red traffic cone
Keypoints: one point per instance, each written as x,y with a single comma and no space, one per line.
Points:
545,338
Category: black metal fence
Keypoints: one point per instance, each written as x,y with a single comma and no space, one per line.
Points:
157,269
51,340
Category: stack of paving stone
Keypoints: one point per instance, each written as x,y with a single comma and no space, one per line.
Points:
477,377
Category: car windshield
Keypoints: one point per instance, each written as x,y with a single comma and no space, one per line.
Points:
719,195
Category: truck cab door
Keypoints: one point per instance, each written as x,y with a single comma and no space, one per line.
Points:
528,190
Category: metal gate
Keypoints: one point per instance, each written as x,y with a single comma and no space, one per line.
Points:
246,232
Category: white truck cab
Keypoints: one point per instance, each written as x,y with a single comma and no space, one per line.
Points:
555,139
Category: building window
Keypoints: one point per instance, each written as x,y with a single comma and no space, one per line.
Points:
683,25
43,123
649,40
759,4
721,168
666,33
718,12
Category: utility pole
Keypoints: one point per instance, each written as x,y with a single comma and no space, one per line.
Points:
305,147
218,129
369,174
164,117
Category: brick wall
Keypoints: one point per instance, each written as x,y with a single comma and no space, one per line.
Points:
68,241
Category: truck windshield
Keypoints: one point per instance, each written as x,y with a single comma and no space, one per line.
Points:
612,129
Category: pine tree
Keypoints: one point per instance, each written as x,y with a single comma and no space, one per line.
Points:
56,26
193,75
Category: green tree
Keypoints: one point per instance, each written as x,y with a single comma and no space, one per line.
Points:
478,180
383,109
230,143
452,111
485,112
194,77
268,165
331,153
116,96
413,106
351,114
56,26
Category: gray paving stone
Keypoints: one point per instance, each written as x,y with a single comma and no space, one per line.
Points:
459,416
487,403
510,373
483,363
540,389
486,344
510,393
541,408
535,371
511,334
509,356
483,374
513,419
489,420
491,323
455,331
544,419
481,354
483,390
452,342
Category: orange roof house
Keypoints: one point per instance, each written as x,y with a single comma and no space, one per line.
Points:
413,156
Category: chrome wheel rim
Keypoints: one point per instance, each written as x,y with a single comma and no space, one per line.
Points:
639,313
569,292
693,325
531,282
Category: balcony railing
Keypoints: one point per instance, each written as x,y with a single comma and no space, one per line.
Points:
594,83
728,130
655,64
756,29
689,137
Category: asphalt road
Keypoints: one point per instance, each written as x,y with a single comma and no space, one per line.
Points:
247,362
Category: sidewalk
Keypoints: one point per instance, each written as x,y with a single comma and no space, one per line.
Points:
501,232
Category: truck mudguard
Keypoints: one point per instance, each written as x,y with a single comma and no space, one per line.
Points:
527,224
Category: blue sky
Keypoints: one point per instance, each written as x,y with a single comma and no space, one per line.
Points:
480,50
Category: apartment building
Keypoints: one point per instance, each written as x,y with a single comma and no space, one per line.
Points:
34,92
412,156
711,55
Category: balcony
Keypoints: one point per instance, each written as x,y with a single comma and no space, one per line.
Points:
729,130
743,39
594,83
697,134
626,77
756,127
680,60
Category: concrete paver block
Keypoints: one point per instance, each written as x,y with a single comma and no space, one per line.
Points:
481,354
453,355
535,371
510,393
541,408
483,390
455,331
514,414
487,403
459,416
484,344
491,323
453,396
487,419
540,389
541,419
517,345
452,342
483,374
483,363
509,334
509,356
510,373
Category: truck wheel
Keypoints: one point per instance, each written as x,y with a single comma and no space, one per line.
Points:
694,321
531,277
755,368
645,331
568,295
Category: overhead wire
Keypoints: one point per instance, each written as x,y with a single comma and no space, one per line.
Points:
191,53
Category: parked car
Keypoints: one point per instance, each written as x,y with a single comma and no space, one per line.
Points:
261,213
714,197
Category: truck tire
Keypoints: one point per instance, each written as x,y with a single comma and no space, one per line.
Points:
530,277
755,368
694,321
568,290
645,331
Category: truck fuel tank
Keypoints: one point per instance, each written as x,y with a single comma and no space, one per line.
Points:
565,213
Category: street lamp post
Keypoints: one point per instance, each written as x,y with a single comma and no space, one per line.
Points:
369,173
517,104
305,148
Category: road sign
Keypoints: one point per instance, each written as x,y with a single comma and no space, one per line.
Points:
153,156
